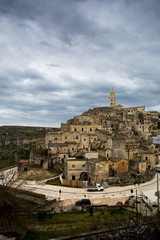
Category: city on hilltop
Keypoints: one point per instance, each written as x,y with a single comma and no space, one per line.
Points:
71,171
106,145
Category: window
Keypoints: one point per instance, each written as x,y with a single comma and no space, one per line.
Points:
95,139
55,138
75,129
73,177
82,129
72,148
84,139
146,158
73,166
123,164
91,129
83,166
77,137
65,137
100,169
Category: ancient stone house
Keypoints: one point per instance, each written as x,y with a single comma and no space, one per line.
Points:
84,143
53,137
91,155
71,136
98,171
118,165
123,147
23,165
84,128
150,158
142,166
62,150
137,165
75,169
106,153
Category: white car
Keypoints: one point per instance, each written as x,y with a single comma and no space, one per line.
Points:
99,187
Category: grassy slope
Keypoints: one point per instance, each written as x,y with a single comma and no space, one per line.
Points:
57,225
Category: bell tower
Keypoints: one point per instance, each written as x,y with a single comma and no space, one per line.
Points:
112,99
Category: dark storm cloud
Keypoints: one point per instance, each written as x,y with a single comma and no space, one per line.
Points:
61,57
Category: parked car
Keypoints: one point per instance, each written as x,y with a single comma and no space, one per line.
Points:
98,188
154,205
1,176
119,203
83,202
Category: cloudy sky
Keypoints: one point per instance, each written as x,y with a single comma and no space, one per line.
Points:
61,57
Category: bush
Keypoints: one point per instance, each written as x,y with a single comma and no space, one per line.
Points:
42,215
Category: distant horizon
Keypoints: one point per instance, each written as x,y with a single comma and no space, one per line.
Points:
21,125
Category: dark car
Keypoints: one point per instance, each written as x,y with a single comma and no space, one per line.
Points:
83,202
2,176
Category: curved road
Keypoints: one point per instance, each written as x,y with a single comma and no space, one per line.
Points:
148,189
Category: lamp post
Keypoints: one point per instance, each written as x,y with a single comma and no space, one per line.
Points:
60,194
158,171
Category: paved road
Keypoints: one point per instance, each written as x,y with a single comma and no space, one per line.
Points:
52,192
9,176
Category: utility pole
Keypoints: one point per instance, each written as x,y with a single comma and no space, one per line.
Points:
60,194
158,171
136,208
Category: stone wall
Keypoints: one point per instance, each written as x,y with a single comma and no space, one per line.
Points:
73,183
28,195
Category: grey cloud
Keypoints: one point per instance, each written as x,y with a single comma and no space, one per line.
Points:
59,58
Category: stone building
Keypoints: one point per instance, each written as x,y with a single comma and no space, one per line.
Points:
114,135
118,165
97,171
75,169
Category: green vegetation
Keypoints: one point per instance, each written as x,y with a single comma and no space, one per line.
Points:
43,226
23,153
7,158
10,153
30,134
55,181
5,163
42,152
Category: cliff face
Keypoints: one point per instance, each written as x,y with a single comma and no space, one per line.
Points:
23,132
17,142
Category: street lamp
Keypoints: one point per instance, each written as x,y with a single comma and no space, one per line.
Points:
60,194
158,171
